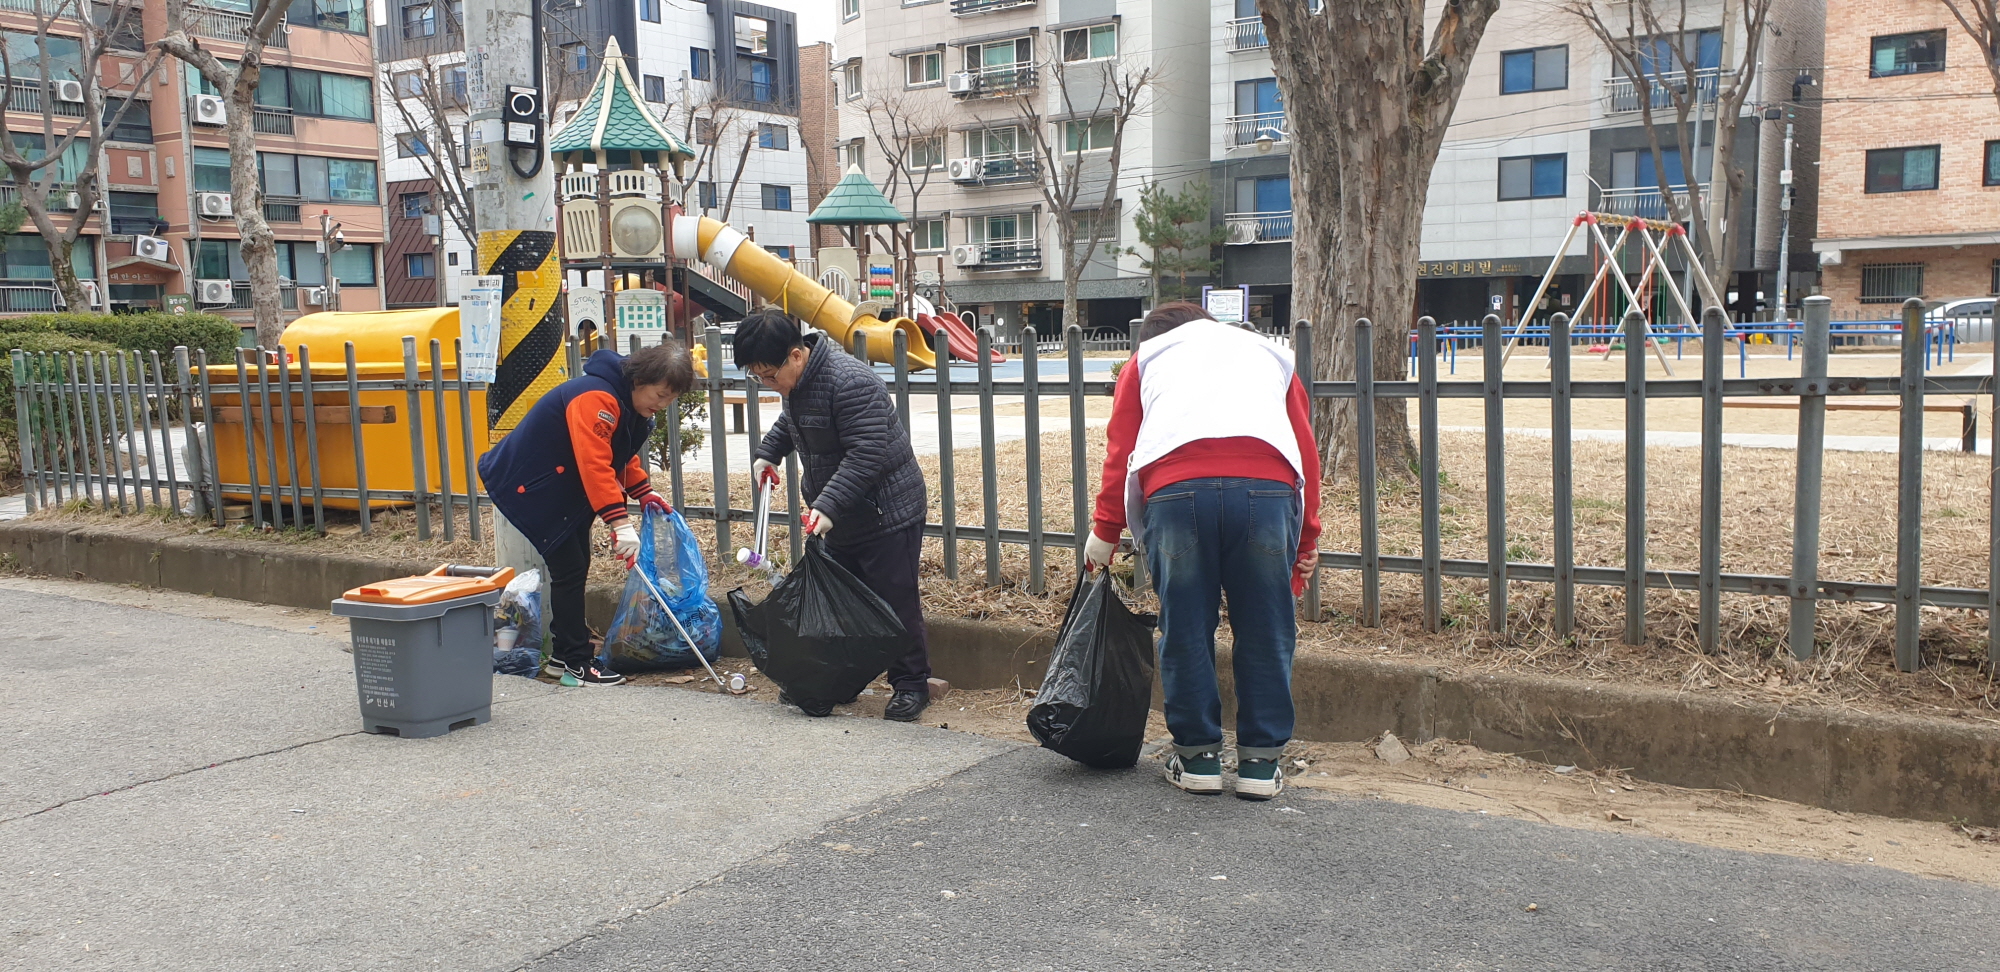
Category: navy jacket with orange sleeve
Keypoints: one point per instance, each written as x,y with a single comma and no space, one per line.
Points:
573,457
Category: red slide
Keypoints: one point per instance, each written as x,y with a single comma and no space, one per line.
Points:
963,341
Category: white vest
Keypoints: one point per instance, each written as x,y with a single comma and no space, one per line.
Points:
1208,380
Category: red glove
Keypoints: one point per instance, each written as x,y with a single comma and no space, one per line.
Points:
654,501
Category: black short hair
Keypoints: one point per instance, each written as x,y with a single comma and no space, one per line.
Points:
766,338
666,363
1171,315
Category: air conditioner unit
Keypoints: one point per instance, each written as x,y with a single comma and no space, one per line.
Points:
213,204
215,291
70,91
207,110
965,170
101,206
70,200
1241,233
90,292
152,248
959,83
316,296
969,255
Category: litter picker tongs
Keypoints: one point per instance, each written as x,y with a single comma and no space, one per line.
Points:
759,556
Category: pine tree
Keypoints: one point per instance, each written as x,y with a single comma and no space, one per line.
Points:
1173,228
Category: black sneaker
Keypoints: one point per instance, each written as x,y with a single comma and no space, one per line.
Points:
906,705
590,674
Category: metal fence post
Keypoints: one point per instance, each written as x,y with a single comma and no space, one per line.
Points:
1708,634
1031,408
25,428
443,433
206,468
465,440
1427,473
988,473
1496,476
360,448
718,431
270,437
166,399
291,441
1364,462
312,440
101,420
1562,475
1635,478
947,482
420,480
257,518
899,370
1079,449
1807,487
132,428
1910,489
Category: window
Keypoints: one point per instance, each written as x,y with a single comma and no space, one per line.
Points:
220,260
1897,54
850,79
1633,168
451,258
1903,169
577,56
1259,97
1087,135
135,212
350,16
1001,56
701,64
656,88
314,178
704,131
1992,163
419,20
211,169
1090,43
409,145
1660,56
761,82
24,256
1996,278
992,143
350,180
1000,229
772,136
1534,177
777,197
1541,69
928,234
353,266
455,86
649,11
1891,283
317,93
136,126
409,84
854,155
417,265
925,68
414,204
707,193
279,174
849,9
65,53
926,153
781,252
1094,224
1264,194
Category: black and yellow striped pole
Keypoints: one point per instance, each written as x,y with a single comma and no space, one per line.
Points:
531,323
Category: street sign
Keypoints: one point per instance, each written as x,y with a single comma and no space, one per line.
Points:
1230,305
479,329
178,303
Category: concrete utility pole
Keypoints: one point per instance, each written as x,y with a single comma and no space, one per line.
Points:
331,240
1785,228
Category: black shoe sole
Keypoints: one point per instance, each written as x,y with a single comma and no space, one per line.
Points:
912,717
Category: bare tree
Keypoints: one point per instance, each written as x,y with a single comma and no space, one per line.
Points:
1097,100
1368,103
911,139
706,122
1653,48
238,82
1981,19
429,100
36,178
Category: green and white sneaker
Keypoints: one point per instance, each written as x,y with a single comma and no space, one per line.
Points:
1259,779
1200,773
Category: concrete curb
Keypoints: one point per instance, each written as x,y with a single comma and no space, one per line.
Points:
1901,766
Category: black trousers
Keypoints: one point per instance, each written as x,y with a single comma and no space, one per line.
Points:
569,572
888,564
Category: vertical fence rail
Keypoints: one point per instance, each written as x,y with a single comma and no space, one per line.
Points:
209,467
24,427
1910,489
152,397
270,437
1079,448
947,481
108,390
1562,476
249,437
472,524
443,433
133,430
99,413
291,443
48,440
989,476
1496,477
166,400
312,439
899,358
1031,416
1708,633
718,450
1427,473
1811,467
1635,478
360,451
1364,464
86,459
413,399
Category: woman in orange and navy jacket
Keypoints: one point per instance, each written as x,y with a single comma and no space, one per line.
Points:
575,457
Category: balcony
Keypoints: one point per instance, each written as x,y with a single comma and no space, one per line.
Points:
229,25
271,121
1621,95
58,195
1245,34
994,81
1246,228
971,8
137,224
1252,129
1007,255
28,93
288,297
27,300
282,209
1007,170
1643,202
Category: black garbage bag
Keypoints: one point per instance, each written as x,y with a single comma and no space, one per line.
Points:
1094,700
821,635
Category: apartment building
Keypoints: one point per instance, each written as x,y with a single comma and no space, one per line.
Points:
953,75
734,65
1250,159
1910,174
166,168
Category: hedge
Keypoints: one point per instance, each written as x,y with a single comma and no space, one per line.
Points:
31,341
148,331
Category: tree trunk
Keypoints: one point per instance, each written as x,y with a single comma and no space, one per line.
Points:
1368,109
60,246
257,241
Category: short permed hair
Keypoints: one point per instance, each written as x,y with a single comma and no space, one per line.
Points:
766,338
666,363
1171,315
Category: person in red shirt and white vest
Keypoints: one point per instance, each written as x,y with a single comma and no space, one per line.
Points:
1210,460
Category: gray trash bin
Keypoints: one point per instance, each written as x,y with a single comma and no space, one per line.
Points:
423,649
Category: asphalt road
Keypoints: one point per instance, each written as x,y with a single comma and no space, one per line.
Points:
192,793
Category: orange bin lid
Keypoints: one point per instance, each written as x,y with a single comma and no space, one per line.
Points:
443,584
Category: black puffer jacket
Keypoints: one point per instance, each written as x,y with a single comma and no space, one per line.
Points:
859,468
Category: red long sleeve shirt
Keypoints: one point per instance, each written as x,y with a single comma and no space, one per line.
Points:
1246,457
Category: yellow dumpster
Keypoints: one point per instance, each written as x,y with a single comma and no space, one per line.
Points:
385,420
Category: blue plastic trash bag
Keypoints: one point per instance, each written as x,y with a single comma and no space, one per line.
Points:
520,608
642,638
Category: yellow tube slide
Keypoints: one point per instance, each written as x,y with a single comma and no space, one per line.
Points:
726,249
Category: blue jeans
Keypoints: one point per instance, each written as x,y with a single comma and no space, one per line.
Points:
1206,538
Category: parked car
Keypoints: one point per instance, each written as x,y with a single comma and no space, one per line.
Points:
1971,318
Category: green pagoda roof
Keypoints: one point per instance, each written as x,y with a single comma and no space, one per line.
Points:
615,124
855,201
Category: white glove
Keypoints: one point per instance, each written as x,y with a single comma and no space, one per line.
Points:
763,471
817,524
625,544
1097,553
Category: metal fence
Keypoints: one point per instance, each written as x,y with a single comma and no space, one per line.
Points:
125,431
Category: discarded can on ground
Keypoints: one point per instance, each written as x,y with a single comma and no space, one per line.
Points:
423,649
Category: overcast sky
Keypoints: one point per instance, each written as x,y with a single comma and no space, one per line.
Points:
815,17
